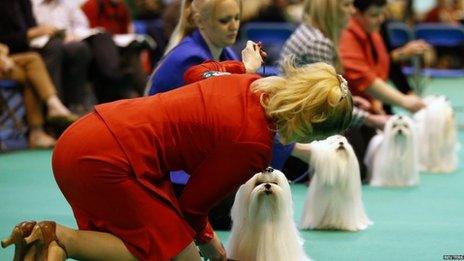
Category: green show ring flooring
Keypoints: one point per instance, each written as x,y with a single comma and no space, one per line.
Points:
420,223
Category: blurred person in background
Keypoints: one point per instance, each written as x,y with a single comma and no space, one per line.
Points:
316,40
29,70
114,16
366,61
110,83
67,65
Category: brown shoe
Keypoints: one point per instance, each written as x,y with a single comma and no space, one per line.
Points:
39,139
42,235
19,232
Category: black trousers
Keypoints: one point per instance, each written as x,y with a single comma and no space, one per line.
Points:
68,65
109,81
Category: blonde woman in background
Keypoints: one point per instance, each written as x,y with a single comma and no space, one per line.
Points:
316,40
205,30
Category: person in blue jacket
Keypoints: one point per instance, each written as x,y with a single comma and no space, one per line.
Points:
192,50
205,31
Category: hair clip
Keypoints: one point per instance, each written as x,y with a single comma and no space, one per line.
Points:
343,86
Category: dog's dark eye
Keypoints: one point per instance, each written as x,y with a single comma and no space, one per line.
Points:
275,183
395,125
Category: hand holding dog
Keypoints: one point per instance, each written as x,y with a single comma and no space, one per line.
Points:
361,103
413,103
213,250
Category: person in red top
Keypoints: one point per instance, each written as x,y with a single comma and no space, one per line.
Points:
112,166
113,15
115,18
365,59
444,12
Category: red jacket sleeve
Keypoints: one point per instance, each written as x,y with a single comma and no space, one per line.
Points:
212,68
358,72
223,171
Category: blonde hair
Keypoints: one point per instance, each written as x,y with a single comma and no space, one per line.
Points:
307,101
186,24
251,8
325,15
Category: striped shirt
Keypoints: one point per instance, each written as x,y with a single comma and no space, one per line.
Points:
309,45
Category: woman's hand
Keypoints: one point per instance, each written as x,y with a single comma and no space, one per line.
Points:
377,120
251,57
71,38
4,50
361,103
5,62
412,48
302,151
213,250
41,30
413,103
377,107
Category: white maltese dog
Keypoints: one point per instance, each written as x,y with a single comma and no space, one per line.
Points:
437,135
392,155
262,221
334,199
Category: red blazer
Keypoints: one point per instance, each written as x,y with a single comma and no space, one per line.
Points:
356,52
221,139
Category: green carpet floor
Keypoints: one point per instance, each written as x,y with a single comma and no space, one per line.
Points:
421,223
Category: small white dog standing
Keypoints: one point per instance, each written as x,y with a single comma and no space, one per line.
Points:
334,199
437,135
262,221
392,155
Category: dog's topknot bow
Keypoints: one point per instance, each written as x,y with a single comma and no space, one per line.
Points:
268,170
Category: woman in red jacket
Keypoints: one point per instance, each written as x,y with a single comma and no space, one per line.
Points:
366,61
112,165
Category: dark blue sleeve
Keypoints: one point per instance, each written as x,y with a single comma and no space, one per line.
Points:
280,153
170,73
229,54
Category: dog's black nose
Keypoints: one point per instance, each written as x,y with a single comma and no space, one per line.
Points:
341,143
400,131
267,186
